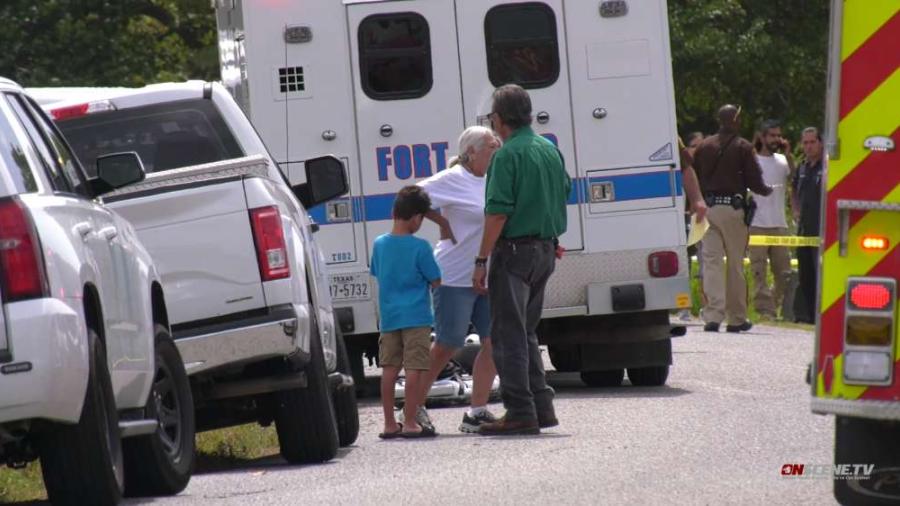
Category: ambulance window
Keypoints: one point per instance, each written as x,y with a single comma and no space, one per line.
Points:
395,56
522,47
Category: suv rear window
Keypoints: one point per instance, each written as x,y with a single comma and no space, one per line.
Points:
166,136
16,174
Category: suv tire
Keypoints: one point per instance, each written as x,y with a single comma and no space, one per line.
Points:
162,463
648,376
83,463
304,417
345,407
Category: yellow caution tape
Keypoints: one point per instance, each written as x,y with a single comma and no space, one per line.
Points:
793,241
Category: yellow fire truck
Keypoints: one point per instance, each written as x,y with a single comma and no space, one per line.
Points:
856,369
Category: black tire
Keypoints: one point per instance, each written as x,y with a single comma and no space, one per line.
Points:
872,442
565,358
82,463
162,463
356,356
648,376
465,357
611,378
304,417
345,408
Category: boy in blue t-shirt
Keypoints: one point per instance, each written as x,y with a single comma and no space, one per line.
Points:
406,271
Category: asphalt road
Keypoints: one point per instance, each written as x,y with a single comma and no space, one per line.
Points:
735,410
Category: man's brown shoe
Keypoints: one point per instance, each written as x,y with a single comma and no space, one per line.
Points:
505,427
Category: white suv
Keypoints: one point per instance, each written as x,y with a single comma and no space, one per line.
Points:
86,356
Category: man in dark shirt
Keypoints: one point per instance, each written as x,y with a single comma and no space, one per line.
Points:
525,213
727,167
807,193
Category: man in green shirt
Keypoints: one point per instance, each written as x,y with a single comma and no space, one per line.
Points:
525,213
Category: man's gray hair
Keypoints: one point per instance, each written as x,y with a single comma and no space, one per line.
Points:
513,105
814,131
474,138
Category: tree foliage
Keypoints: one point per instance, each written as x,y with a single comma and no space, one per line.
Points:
107,42
767,55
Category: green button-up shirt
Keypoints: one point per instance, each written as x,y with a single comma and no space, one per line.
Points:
528,183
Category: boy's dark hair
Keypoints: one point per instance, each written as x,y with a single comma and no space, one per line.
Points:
513,105
411,200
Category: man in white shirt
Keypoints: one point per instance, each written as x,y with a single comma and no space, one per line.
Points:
777,169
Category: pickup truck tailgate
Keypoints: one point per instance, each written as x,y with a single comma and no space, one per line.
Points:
195,224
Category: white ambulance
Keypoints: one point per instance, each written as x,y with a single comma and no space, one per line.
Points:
388,86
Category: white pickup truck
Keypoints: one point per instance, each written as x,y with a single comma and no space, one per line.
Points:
245,280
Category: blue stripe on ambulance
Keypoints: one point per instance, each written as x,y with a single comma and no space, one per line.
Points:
647,185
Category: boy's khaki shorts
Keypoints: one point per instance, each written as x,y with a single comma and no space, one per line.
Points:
406,348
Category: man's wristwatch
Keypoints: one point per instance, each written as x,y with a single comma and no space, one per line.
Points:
481,261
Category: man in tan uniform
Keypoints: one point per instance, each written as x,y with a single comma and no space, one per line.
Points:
727,167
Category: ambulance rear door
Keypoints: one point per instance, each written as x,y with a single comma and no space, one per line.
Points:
501,42
407,94
624,121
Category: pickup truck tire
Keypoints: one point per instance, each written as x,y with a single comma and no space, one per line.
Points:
162,463
83,463
345,407
867,442
304,417
611,378
648,376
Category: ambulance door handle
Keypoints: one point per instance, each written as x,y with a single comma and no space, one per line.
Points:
599,113
543,117
329,135
387,130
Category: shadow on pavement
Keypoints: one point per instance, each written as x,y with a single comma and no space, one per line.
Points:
211,464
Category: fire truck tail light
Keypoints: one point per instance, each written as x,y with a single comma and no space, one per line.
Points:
869,330
663,264
867,366
875,243
76,111
870,296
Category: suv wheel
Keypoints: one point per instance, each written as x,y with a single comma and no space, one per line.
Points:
82,463
304,417
161,463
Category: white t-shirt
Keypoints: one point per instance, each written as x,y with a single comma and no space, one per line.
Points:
770,210
460,197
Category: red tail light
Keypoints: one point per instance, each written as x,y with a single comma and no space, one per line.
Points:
874,296
21,261
663,264
75,111
271,251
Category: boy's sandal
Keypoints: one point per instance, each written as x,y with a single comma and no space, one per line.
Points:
392,435
426,432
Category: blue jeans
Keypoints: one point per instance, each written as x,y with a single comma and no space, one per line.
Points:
454,308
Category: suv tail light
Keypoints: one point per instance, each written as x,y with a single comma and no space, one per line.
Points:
663,264
271,251
21,260
75,111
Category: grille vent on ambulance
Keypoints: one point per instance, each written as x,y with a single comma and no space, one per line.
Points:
290,79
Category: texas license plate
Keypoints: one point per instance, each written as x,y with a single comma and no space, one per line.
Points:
346,287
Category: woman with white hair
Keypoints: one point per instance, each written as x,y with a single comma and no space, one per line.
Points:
458,192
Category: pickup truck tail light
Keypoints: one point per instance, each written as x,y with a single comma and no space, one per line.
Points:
271,252
78,110
21,261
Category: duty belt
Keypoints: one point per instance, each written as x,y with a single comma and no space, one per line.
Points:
735,201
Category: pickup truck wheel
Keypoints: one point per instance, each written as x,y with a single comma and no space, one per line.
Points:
82,463
161,463
304,417
345,407
611,378
868,442
648,376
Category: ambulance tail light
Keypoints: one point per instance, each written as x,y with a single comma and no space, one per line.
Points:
78,110
663,264
875,243
271,251
871,308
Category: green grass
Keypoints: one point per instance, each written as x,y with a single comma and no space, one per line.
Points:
216,449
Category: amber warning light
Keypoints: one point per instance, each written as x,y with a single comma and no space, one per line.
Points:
875,243
870,296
